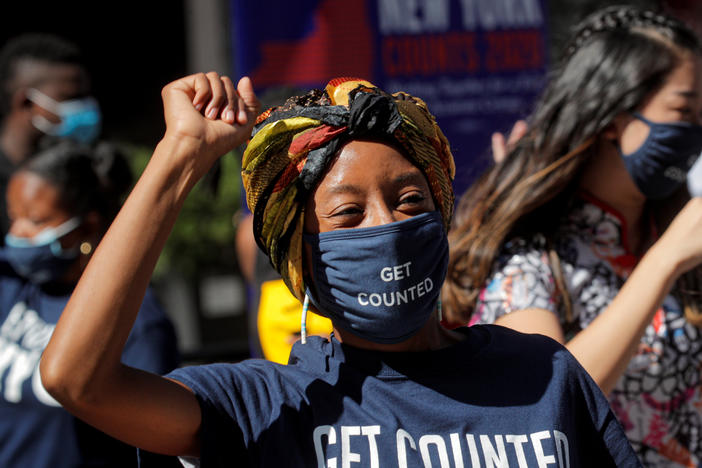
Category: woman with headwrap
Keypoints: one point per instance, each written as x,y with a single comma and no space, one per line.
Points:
351,193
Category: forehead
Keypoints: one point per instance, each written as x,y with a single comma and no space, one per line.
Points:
29,189
366,165
58,80
686,78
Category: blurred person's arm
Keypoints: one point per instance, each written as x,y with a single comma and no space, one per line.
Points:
246,247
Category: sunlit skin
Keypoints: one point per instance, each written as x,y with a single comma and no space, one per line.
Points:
371,184
33,205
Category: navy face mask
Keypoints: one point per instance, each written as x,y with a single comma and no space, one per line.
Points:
381,283
660,165
41,259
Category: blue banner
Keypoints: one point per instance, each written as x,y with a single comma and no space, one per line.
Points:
479,64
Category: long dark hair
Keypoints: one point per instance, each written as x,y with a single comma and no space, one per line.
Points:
616,58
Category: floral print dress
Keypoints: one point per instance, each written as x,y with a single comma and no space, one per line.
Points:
658,398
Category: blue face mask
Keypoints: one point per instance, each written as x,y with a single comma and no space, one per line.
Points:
41,259
660,165
381,283
80,118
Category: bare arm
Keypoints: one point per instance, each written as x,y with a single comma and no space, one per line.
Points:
81,365
605,347
246,247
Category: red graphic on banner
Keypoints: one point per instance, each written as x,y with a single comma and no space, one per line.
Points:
340,45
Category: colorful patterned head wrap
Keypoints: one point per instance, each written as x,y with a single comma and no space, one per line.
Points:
293,144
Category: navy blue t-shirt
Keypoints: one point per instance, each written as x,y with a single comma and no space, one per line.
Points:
34,430
499,398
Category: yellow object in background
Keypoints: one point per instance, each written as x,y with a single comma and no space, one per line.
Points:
279,315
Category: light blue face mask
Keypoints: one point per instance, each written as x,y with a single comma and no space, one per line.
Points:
80,118
41,258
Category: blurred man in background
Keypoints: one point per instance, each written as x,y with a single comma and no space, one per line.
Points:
44,95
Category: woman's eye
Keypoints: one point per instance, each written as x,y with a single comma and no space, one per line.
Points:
688,112
38,222
348,211
346,217
414,199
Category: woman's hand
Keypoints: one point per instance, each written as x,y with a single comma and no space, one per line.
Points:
208,116
500,147
681,243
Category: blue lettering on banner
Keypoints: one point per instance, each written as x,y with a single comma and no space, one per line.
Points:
413,16
506,14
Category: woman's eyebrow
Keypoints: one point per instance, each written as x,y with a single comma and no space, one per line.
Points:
691,93
412,177
344,188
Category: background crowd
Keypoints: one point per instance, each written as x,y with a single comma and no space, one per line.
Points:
542,242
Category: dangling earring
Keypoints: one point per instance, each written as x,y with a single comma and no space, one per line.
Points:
86,247
303,320
438,310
